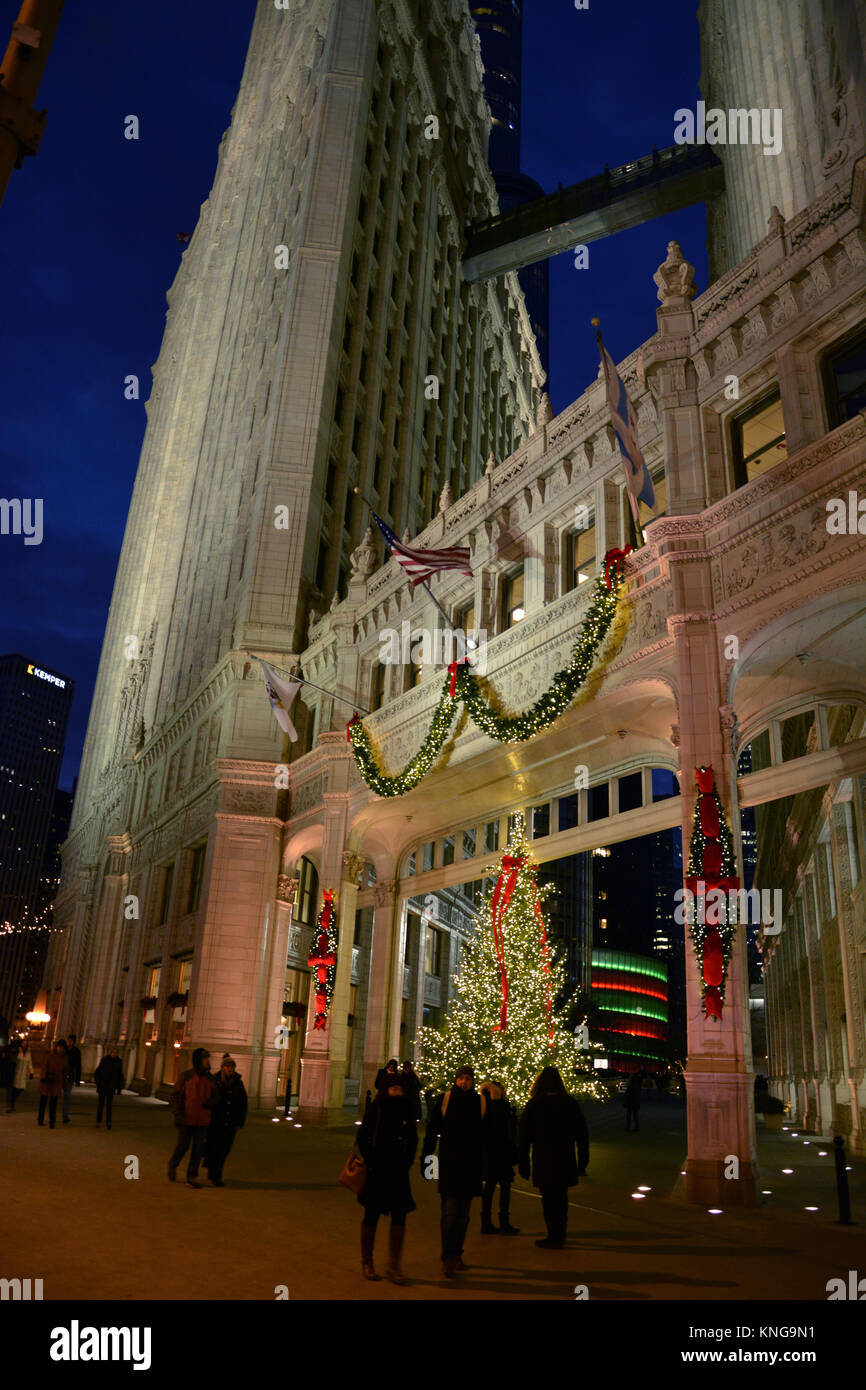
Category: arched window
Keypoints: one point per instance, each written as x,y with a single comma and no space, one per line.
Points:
307,896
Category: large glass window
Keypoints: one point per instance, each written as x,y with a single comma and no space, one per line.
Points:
433,960
580,563
196,877
513,611
758,437
165,892
844,373
306,898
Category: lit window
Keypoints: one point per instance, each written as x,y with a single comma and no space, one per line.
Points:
758,439
581,557
845,382
513,610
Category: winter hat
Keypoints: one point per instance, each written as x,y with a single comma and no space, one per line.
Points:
227,1059
198,1056
464,1071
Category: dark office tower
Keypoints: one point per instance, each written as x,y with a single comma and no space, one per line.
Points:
34,712
38,923
500,29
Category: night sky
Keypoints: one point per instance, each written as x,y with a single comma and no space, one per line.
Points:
88,242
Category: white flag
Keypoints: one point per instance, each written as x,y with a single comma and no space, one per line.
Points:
281,693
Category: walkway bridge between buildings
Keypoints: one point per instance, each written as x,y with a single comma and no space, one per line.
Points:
626,196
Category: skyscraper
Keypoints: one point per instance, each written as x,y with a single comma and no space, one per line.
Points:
500,29
34,711
320,338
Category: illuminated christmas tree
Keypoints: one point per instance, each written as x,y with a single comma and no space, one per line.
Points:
504,1019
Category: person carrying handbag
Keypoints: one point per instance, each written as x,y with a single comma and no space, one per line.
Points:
387,1140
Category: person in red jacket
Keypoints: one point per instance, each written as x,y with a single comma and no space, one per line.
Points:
52,1083
192,1101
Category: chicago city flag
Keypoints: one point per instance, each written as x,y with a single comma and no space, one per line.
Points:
281,693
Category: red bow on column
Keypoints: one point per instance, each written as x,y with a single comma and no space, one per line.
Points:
353,720
613,560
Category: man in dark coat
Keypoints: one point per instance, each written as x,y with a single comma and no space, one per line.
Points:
228,1115
109,1083
457,1121
499,1157
74,1061
550,1126
191,1103
412,1086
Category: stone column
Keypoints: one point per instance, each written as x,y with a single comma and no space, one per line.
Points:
842,825
719,1079
325,1059
675,383
233,940
385,968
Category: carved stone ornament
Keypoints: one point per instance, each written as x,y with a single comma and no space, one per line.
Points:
286,889
675,735
490,464
675,279
363,559
545,411
446,498
353,864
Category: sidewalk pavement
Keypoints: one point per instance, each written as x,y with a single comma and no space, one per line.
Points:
74,1219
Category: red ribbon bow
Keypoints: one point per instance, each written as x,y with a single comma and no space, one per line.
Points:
613,560
353,720
452,671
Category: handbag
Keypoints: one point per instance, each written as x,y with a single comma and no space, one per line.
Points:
354,1174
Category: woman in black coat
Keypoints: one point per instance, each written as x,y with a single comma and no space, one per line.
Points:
109,1083
387,1139
550,1126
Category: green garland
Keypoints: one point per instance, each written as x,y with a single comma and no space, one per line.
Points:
367,757
486,712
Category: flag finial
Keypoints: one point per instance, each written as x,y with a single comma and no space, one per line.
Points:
596,323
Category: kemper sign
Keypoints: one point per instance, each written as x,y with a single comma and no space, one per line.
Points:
45,676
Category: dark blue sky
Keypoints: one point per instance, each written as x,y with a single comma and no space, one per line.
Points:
88,245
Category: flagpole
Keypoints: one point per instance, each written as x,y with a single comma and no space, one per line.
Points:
636,535
303,680
424,584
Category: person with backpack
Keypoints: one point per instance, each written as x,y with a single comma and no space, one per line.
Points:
109,1082
550,1126
499,1157
457,1122
192,1101
228,1115
387,1140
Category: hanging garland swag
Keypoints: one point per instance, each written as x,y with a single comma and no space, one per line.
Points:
461,683
323,958
710,877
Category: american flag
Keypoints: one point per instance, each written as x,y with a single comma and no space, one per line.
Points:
420,564
622,416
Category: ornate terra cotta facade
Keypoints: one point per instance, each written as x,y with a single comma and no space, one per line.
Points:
739,578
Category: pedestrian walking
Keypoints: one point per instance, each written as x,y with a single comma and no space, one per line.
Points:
633,1092
457,1121
20,1070
499,1155
412,1089
52,1083
109,1083
191,1102
74,1060
550,1126
387,1139
228,1115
